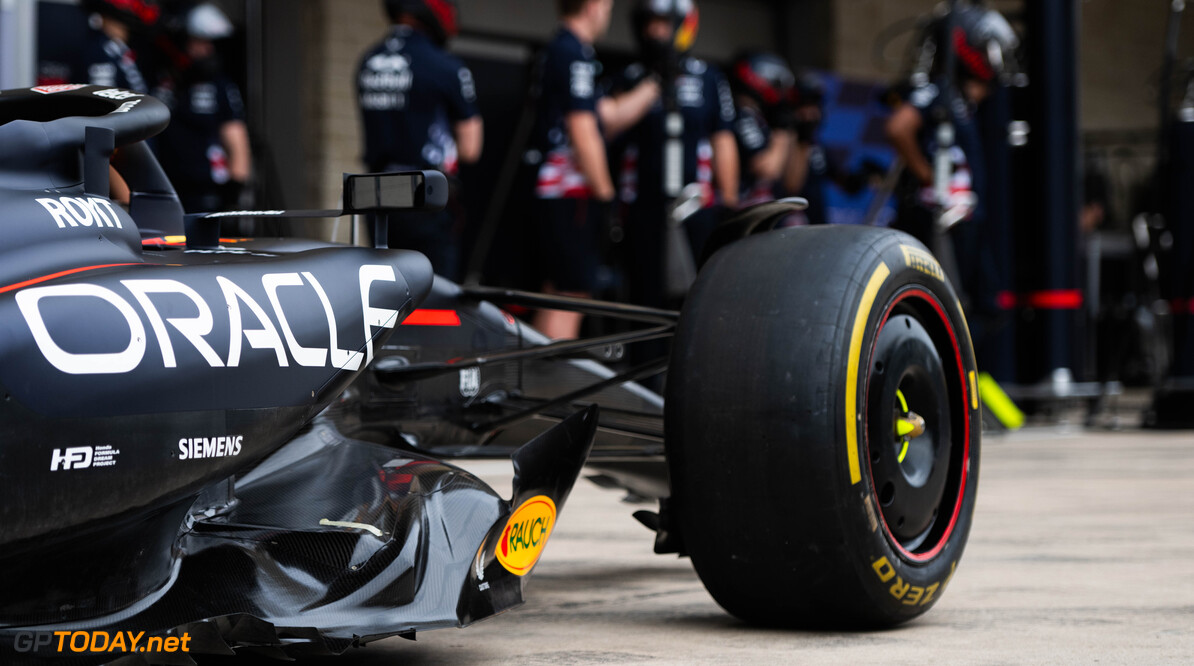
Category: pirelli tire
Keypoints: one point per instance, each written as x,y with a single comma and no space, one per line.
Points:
823,428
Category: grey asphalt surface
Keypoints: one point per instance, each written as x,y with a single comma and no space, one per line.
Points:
1082,551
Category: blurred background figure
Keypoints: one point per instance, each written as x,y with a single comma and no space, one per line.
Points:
686,138
105,58
777,129
812,167
764,90
205,150
418,108
935,122
574,189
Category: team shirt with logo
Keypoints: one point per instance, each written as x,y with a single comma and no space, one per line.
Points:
753,134
411,93
967,157
707,106
107,62
190,148
569,71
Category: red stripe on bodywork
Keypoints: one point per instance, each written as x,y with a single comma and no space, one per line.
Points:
433,318
59,274
162,241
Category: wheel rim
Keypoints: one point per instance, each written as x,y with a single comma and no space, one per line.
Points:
917,425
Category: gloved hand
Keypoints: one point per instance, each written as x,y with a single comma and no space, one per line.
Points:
806,130
780,117
956,208
664,62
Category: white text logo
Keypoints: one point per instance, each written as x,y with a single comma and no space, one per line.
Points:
80,211
209,447
255,326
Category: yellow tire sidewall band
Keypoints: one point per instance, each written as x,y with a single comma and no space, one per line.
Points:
854,360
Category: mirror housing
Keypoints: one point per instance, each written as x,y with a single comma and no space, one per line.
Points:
390,192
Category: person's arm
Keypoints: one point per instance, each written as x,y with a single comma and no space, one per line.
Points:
621,112
725,166
725,144
469,138
902,128
460,100
235,138
586,140
796,169
769,163
118,189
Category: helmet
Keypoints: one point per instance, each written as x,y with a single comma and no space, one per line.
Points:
137,14
763,77
983,41
810,89
437,16
206,21
682,13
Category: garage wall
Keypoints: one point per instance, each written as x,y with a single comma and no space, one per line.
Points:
1122,44
342,31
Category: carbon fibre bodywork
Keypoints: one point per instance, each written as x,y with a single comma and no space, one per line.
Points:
243,441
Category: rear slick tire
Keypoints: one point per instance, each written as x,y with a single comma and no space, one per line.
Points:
823,428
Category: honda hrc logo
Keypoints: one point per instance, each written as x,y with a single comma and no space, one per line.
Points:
83,457
75,457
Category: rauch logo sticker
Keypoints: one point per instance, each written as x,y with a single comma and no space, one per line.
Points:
526,534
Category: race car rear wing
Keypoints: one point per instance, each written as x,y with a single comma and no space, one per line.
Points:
368,193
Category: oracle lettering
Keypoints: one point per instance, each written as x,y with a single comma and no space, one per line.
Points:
248,322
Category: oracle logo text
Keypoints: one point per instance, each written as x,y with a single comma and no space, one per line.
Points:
248,322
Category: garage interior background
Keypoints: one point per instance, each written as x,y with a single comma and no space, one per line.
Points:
310,51
301,54
296,60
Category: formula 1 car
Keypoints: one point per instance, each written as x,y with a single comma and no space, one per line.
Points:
254,443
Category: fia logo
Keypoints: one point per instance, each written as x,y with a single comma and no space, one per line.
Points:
470,382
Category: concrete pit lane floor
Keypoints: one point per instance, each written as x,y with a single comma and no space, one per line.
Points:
1082,551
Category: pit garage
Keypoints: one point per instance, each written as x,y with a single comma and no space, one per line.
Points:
974,337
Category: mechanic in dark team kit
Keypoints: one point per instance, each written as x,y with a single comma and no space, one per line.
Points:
779,116
574,188
810,170
979,40
706,148
765,96
205,149
106,59
419,111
